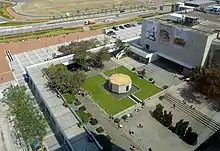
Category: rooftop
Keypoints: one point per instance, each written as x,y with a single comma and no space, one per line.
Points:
200,2
63,117
208,23
120,79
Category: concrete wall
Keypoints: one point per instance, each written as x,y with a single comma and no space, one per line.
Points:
190,55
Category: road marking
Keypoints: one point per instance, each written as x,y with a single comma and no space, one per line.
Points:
38,56
28,57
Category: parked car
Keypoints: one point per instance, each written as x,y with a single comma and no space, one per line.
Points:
115,28
133,25
110,33
126,26
121,27
129,25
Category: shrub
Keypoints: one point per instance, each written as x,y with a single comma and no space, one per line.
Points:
82,108
109,137
100,130
153,82
165,87
133,69
161,97
69,97
116,120
83,116
89,114
77,103
150,79
124,117
93,121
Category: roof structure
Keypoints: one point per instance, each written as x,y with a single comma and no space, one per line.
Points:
120,79
65,119
208,23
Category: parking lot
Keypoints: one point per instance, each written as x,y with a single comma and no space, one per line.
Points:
123,32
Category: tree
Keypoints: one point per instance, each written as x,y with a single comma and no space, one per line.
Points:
183,129
206,80
29,124
190,137
143,72
119,44
167,118
178,126
63,80
158,112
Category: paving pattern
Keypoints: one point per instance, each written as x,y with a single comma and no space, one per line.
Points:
20,61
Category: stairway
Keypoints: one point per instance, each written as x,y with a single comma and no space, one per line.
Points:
199,116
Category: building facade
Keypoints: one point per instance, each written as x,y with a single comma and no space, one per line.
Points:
185,44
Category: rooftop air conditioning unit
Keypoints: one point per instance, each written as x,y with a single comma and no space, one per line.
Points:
176,17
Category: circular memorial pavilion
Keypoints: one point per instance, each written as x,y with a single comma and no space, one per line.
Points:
120,83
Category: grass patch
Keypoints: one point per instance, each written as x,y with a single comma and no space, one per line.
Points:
15,23
147,88
83,116
69,97
3,12
77,103
104,99
39,34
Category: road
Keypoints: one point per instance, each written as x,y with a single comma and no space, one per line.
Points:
49,25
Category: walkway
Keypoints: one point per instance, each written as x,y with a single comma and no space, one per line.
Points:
119,138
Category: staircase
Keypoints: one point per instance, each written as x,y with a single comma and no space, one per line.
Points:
199,116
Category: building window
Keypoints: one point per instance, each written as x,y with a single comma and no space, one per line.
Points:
127,88
148,46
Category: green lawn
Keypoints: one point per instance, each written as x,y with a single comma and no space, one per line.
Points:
39,34
16,23
103,98
147,88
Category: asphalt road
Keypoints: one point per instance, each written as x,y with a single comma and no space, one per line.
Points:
45,26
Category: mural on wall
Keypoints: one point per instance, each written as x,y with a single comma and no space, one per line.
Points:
151,30
165,34
180,37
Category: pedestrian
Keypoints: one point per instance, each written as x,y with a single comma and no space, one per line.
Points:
150,149
174,106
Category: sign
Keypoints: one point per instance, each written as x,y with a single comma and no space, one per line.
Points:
165,34
151,30
180,37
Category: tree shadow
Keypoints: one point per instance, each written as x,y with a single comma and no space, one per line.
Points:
106,143
191,96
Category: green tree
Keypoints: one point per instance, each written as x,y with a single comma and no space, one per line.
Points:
119,44
158,112
167,118
178,127
28,121
183,129
190,137
206,80
63,80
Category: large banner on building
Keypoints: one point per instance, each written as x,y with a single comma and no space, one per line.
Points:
180,37
165,34
151,30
